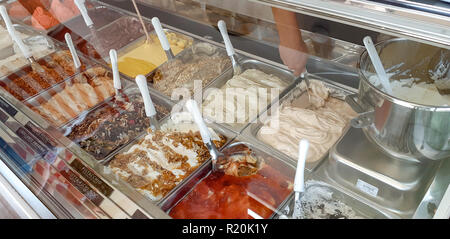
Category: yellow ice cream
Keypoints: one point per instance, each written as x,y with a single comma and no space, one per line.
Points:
147,56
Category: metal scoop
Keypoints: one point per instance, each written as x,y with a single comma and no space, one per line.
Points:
233,151
162,38
150,110
237,69
216,156
115,69
73,52
376,61
96,40
439,71
299,181
23,48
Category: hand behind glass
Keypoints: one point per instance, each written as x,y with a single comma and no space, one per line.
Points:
294,59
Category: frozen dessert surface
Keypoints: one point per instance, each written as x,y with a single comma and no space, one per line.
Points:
322,123
113,125
419,93
318,203
161,160
243,97
81,93
64,10
28,82
77,28
5,39
204,63
145,57
42,19
222,196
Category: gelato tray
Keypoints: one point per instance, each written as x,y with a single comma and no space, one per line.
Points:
114,123
323,201
142,58
322,119
202,62
70,98
27,82
246,189
238,100
156,162
130,30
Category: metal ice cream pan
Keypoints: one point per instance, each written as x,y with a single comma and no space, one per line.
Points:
337,91
246,64
47,94
141,40
361,208
56,29
138,196
131,91
270,159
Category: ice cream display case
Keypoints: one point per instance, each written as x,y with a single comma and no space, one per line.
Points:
74,144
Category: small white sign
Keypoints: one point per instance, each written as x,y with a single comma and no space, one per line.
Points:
367,188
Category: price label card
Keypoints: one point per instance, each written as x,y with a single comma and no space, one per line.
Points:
367,188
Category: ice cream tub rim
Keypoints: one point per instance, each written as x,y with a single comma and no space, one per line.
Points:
338,91
176,196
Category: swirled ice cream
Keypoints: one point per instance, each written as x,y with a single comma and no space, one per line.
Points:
243,97
322,123
163,158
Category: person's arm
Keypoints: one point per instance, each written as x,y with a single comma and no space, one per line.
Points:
293,50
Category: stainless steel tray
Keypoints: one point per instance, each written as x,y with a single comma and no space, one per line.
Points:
217,128
43,61
337,91
361,208
48,93
269,158
140,41
246,64
395,185
185,57
130,92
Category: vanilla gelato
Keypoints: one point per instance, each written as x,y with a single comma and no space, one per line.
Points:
243,97
419,93
322,122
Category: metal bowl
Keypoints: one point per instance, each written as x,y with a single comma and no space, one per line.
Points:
400,128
